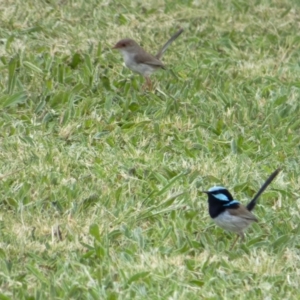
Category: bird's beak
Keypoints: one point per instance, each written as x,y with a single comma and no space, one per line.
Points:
115,46
205,192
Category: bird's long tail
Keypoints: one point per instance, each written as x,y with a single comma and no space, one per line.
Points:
252,203
163,49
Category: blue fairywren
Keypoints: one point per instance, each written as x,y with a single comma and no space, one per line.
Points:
229,213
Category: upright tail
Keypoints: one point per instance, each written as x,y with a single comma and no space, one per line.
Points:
163,49
252,203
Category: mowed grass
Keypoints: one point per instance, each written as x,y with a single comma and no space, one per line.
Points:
101,181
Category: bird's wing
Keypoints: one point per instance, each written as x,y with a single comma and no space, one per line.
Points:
146,58
243,212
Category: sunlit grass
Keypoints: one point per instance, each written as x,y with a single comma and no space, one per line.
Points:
101,181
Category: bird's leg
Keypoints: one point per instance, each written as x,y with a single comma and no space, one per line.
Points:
234,242
148,84
241,235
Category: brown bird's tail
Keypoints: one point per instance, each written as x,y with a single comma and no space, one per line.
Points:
163,49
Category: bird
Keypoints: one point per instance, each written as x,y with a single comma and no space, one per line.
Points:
140,61
229,213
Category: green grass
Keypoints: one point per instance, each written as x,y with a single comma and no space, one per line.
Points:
121,170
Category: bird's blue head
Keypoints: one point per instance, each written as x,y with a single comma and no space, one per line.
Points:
219,199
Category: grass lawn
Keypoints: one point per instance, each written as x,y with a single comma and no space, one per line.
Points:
101,181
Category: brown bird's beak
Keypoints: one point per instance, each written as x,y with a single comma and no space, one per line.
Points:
205,192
